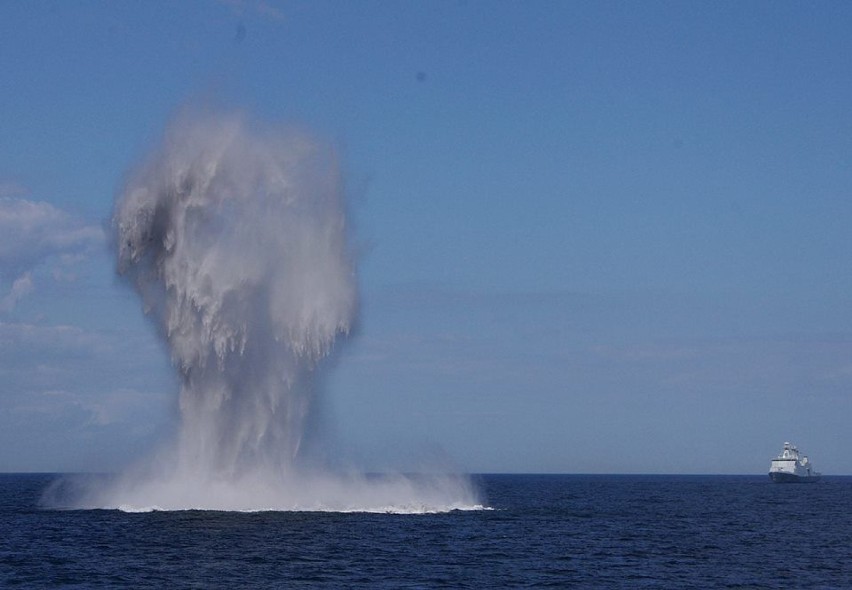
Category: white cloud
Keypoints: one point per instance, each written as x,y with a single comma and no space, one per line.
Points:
33,233
20,288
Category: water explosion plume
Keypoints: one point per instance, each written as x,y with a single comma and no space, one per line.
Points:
236,240
237,244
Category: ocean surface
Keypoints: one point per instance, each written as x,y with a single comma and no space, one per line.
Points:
563,531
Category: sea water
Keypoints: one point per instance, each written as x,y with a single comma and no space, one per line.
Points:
536,530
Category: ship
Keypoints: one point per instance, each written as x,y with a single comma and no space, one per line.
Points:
791,467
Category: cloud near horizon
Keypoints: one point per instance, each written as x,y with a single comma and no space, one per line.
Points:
62,382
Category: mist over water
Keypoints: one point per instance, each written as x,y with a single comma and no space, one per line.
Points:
236,239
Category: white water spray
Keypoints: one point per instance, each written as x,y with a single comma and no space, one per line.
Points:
236,240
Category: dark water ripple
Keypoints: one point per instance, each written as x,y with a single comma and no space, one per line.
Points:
544,531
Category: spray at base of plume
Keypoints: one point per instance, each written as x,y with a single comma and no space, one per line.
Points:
310,491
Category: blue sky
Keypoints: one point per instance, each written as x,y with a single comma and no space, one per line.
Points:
593,237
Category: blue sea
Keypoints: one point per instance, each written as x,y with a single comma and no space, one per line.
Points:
563,531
